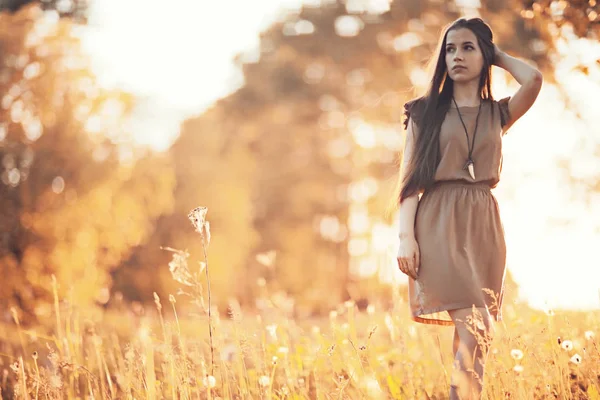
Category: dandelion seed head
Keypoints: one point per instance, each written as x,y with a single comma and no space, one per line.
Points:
576,359
516,354
209,381
518,368
264,381
198,217
567,345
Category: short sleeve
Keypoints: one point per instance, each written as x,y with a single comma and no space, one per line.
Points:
409,111
504,112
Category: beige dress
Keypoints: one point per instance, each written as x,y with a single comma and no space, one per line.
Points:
457,224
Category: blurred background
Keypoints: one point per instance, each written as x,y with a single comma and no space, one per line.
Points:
284,118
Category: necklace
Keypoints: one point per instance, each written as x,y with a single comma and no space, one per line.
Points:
470,164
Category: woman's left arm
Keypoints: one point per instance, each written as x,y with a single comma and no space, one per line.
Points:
528,77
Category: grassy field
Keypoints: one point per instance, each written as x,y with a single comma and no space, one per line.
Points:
352,354
162,352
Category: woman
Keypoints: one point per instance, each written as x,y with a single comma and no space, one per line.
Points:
451,239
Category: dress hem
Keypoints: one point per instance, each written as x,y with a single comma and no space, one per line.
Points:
417,317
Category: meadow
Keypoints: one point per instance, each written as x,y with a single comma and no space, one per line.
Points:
358,351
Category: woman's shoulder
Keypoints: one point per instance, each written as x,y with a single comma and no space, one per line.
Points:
413,109
502,105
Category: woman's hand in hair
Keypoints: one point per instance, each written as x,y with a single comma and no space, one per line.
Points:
409,256
497,54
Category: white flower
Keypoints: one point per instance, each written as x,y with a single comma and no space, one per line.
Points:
370,309
264,381
567,345
333,314
283,350
349,304
589,335
576,359
209,381
516,354
518,368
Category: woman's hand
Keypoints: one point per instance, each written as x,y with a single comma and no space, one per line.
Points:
497,54
409,256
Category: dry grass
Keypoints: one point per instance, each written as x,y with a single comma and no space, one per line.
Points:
370,354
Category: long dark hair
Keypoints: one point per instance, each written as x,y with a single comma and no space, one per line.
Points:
428,112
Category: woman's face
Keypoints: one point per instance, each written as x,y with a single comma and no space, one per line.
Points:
464,58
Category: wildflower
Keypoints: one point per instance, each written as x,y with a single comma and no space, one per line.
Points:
316,330
35,355
283,350
576,359
274,360
345,326
567,345
370,309
172,299
179,269
518,368
516,354
264,381
333,314
349,304
589,335
209,381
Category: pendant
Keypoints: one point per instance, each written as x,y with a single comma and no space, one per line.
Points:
470,165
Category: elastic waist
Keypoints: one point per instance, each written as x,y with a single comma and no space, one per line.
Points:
461,184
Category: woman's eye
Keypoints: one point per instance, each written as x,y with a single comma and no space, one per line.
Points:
469,47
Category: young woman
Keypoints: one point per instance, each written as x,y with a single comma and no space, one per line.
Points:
452,243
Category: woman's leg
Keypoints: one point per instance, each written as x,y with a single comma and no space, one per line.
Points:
470,357
455,342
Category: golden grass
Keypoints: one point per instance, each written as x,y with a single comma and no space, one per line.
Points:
375,353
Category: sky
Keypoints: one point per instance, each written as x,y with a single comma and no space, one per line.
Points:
179,60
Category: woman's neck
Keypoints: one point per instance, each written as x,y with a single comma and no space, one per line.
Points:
467,94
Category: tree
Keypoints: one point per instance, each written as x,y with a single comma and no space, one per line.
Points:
75,195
